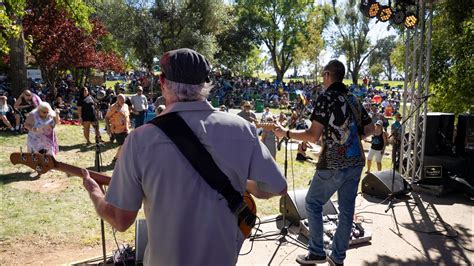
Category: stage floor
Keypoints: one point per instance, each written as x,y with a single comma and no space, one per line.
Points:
419,230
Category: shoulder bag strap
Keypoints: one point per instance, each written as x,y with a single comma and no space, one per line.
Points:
189,145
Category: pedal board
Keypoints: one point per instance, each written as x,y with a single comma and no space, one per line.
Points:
358,233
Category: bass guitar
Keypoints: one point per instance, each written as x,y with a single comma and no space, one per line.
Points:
42,163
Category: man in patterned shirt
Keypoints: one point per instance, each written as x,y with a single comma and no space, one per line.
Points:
340,120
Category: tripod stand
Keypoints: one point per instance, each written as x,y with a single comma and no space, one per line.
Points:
284,230
98,166
406,188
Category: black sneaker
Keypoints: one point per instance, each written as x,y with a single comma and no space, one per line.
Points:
310,259
333,263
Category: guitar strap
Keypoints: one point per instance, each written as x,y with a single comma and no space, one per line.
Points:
189,145
358,116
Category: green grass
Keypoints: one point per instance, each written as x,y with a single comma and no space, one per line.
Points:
54,208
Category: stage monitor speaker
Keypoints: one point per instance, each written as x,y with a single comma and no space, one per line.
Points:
141,239
295,209
379,184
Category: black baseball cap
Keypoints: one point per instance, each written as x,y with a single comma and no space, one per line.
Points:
185,66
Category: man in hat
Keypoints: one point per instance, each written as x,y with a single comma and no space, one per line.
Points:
247,112
189,223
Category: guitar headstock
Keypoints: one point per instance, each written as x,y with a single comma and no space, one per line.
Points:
41,163
266,125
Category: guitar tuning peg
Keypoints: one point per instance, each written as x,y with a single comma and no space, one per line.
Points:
22,155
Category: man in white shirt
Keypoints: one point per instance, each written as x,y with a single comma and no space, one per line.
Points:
188,222
139,107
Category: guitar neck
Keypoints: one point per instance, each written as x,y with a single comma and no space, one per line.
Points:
101,179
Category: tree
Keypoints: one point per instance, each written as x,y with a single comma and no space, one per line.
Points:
382,54
451,71
375,70
192,24
57,44
398,56
351,39
313,43
12,37
280,25
236,41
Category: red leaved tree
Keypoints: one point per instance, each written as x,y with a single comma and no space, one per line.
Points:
57,44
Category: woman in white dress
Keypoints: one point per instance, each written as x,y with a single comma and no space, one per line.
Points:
40,124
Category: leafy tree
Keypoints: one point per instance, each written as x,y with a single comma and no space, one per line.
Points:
280,25
313,42
236,41
382,55
57,44
192,24
12,37
451,70
351,38
398,56
375,70
133,27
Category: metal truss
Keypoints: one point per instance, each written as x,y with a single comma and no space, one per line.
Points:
416,89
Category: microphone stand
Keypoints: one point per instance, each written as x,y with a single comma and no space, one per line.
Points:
98,165
406,187
284,230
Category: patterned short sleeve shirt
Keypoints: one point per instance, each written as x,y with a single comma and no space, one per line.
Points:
341,147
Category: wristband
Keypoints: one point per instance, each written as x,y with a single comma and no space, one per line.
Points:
288,134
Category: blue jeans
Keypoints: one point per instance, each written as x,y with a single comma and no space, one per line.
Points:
323,186
140,119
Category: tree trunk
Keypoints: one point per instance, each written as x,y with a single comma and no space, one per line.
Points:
17,65
389,69
280,73
355,75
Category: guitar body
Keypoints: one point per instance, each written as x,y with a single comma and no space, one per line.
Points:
245,228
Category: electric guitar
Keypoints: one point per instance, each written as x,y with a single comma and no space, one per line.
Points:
43,163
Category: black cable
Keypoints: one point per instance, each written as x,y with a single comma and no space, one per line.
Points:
118,247
254,235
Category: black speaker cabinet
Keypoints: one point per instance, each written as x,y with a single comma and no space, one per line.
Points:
431,133
464,133
379,184
439,133
295,209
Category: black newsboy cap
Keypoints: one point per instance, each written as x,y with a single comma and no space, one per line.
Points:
185,66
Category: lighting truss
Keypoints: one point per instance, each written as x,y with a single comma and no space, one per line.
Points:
417,68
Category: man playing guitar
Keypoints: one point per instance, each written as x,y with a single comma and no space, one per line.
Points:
189,223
